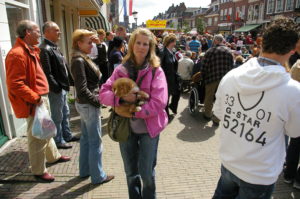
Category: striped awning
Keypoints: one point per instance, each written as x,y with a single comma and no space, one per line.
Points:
247,28
96,22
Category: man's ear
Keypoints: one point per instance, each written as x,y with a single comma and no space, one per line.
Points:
28,32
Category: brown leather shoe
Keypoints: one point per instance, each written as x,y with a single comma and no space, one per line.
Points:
47,177
63,159
108,178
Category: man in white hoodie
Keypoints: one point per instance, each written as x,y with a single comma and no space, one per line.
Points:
258,103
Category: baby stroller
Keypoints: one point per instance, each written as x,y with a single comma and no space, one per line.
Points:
197,94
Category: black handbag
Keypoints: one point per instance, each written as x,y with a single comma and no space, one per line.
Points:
118,127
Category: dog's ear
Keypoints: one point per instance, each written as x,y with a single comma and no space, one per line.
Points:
117,90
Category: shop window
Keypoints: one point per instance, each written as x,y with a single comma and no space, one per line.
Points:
14,16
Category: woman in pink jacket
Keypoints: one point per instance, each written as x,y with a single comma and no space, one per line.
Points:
139,152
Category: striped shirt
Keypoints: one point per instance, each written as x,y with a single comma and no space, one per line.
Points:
194,46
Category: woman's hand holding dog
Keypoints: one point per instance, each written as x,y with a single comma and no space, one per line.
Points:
130,98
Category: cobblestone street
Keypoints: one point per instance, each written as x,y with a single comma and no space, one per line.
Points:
188,165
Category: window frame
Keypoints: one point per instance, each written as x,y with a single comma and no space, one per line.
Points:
273,6
292,5
282,6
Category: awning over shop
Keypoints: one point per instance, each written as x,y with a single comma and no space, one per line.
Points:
96,22
247,28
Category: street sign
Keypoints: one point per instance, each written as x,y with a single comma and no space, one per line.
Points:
156,23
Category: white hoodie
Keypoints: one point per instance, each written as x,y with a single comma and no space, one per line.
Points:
256,106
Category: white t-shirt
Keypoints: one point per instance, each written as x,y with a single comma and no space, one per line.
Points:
94,52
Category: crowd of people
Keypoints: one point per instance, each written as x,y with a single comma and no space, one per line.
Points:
246,85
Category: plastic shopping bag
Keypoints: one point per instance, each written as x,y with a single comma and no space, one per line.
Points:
43,126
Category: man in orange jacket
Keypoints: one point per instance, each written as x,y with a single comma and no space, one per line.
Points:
28,87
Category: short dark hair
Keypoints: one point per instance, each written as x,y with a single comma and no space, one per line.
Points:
117,42
280,36
23,26
194,37
47,25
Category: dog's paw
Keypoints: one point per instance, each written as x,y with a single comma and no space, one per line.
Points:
141,102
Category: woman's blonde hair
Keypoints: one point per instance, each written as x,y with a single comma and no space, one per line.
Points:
151,56
239,59
101,32
169,39
78,35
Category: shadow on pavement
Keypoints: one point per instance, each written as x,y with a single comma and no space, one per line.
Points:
196,128
15,189
14,164
67,190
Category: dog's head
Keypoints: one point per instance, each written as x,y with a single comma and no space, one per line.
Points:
123,86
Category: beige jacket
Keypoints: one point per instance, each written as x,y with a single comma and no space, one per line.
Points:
295,71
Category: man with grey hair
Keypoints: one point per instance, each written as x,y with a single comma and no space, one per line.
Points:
28,88
59,79
185,66
217,61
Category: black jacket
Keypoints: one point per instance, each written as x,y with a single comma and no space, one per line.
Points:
102,55
86,82
55,67
170,66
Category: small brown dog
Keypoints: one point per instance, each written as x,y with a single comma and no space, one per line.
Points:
124,86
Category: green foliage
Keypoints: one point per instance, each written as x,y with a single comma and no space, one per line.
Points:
186,27
171,25
200,25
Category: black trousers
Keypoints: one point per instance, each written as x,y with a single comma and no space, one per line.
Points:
104,71
292,160
173,105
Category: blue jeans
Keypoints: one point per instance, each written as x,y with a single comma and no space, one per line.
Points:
60,113
231,187
139,154
90,157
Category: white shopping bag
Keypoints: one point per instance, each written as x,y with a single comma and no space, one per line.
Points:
43,126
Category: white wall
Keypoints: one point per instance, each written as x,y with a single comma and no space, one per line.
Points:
13,127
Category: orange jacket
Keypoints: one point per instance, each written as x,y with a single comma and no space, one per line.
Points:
21,63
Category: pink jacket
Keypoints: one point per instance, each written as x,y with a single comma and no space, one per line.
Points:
153,111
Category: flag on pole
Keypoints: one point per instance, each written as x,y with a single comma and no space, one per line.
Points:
125,7
130,7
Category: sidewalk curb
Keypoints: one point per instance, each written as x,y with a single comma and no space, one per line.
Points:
7,144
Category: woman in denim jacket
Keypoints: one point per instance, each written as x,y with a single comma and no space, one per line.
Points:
139,152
